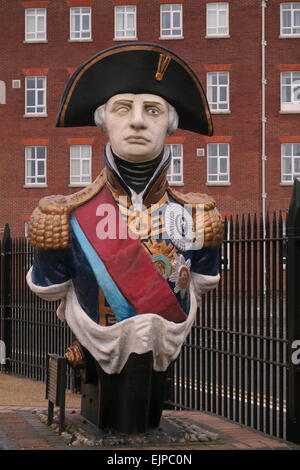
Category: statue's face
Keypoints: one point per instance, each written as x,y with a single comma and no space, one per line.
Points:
136,125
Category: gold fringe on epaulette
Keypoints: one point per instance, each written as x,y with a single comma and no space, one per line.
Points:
49,223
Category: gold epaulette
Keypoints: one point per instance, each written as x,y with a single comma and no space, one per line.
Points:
213,224
49,223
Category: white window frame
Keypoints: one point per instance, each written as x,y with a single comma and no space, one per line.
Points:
36,160
81,175
292,156
37,13
218,106
292,10
125,11
214,31
79,11
173,177
37,93
171,8
292,106
220,175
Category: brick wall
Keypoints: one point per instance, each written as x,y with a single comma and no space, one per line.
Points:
240,54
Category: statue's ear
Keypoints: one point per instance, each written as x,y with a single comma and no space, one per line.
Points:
99,117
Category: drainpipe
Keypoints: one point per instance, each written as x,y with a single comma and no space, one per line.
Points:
263,123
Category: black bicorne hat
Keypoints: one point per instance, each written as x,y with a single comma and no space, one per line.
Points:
136,68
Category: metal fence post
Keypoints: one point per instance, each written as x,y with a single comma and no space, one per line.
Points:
293,314
6,294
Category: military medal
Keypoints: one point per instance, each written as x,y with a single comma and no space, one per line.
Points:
181,275
179,226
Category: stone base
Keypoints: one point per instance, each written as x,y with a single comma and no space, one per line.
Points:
173,430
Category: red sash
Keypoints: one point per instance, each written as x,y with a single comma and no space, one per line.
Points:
128,263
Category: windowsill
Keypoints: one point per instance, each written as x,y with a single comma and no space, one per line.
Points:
125,39
211,36
290,36
218,183
37,185
35,115
80,40
290,112
39,41
176,184
287,183
163,38
220,111
78,185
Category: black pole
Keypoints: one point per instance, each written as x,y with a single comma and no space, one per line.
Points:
293,314
6,294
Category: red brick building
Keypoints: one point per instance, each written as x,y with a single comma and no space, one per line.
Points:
245,52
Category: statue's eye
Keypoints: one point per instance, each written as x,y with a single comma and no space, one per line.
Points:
153,111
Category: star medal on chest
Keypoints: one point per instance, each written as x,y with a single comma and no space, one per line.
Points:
181,275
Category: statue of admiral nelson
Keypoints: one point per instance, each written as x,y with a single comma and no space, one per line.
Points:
128,256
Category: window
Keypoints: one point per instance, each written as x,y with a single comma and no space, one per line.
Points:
35,24
175,171
125,22
80,24
290,162
290,91
218,91
218,163
2,92
171,21
80,165
35,96
35,165
217,19
290,19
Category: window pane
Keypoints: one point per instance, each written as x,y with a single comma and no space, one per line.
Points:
223,94
212,165
40,24
40,152
30,82
166,20
287,149
130,21
41,167
223,78
211,19
296,149
75,167
40,82
212,149
30,98
223,165
222,18
286,19
86,151
223,149
176,20
75,152
120,22
85,22
297,165
176,166
287,165
30,24
86,167
286,94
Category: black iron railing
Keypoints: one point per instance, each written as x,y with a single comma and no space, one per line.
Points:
236,360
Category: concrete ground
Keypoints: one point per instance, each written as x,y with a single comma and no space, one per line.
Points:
20,429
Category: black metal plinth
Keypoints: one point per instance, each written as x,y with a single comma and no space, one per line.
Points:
129,402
